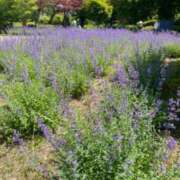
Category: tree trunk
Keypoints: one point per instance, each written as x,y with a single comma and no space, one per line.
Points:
37,16
24,23
66,20
52,17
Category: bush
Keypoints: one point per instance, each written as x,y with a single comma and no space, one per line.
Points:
24,104
94,10
148,64
57,19
148,28
74,82
132,27
111,144
90,25
177,28
44,19
31,24
172,50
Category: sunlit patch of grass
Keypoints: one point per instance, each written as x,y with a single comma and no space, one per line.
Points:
22,162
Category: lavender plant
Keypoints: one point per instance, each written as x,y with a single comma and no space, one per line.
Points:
118,141
24,103
114,143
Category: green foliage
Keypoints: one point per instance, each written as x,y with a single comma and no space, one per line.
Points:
167,9
26,102
58,18
172,50
177,28
173,80
148,64
95,10
25,10
132,27
74,82
6,14
44,19
110,144
129,11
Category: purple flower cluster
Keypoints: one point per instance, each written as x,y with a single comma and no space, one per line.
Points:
163,76
134,76
17,138
56,143
121,77
174,109
171,144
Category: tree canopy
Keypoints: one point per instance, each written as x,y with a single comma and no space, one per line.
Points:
97,11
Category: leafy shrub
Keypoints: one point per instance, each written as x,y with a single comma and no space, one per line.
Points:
97,11
172,50
177,28
132,27
24,104
111,144
31,24
90,24
148,63
44,19
57,19
73,82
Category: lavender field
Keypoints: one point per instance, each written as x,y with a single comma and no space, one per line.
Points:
90,104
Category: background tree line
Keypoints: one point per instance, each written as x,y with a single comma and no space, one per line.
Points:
92,12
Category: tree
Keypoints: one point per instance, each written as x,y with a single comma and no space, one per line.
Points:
131,11
65,6
167,8
98,11
25,10
6,14
68,6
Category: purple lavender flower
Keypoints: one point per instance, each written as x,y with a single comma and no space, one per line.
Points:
53,80
42,170
169,126
98,71
121,77
17,138
171,144
163,168
158,105
165,157
65,109
25,75
44,129
117,138
174,109
134,76
163,76
56,143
